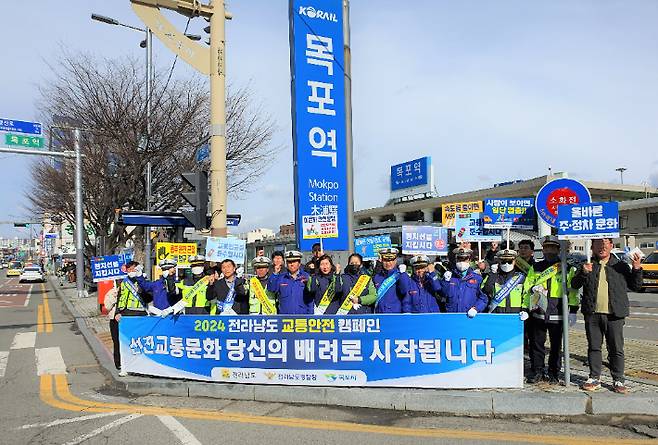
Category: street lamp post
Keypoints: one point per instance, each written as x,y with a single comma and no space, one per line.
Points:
621,171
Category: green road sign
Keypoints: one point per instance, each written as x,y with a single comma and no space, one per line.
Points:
24,141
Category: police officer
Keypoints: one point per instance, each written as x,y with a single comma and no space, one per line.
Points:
326,293
228,295
421,289
461,286
194,288
261,300
391,285
291,288
505,287
132,302
358,290
542,294
163,289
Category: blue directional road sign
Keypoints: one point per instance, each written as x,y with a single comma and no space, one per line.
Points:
15,126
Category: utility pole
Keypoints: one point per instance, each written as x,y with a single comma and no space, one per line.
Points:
211,62
621,171
79,220
149,92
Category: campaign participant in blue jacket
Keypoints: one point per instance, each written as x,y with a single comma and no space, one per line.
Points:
461,287
421,287
291,287
358,290
326,290
392,285
163,290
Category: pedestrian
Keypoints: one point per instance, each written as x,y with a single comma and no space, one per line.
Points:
357,287
261,300
313,265
194,288
421,288
526,256
391,285
132,301
228,294
542,295
461,287
604,304
326,293
291,287
505,287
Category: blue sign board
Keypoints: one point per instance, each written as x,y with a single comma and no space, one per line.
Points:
107,267
233,220
203,152
318,114
392,350
588,221
502,213
411,174
470,227
50,235
424,240
220,249
368,246
559,192
14,126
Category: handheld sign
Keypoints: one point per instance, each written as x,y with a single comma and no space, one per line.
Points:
562,191
588,221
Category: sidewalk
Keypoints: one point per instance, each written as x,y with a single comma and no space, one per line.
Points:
532,400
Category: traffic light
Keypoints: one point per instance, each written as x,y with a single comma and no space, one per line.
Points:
198,198
21,225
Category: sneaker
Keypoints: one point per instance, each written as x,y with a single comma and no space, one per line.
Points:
619,387
123,373
534,379
553,380
591,384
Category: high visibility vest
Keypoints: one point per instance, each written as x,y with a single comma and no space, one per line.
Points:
196,298
515,297
555,286
127,300
254,303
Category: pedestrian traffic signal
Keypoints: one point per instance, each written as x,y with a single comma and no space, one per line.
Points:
198,198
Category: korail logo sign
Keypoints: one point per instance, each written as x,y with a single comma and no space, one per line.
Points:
312,13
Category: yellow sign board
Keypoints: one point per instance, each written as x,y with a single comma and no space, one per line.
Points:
181,252
448,211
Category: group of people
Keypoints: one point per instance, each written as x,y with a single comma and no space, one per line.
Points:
507,281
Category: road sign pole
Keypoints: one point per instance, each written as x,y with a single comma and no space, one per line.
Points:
149,93
347,63
79,220
564,245
37,152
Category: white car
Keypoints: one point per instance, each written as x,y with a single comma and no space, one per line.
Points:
31,273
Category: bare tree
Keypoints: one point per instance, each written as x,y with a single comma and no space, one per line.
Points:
107,98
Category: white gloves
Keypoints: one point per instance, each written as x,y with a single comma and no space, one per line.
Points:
139,269
167,311
494,268
523,315
572,320
447,276
539,289
402,268
179,307
472,312
153,310
229,311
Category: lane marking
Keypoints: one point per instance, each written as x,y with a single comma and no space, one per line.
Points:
102,429
182,433
40,319
24,340
29,294
48,319
72,420
72,403
4,357
50,361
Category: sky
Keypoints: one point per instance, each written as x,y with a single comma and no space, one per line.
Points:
492,91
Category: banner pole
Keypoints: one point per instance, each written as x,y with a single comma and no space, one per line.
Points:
565,313
321,247
479,251
508,230
588,248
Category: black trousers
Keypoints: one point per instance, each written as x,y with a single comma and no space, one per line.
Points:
114,332
597,327
537,330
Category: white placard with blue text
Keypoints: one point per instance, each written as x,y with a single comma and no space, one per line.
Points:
588,221
318,114
107,267
220,249
470,227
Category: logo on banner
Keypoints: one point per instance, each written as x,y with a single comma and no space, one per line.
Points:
312,13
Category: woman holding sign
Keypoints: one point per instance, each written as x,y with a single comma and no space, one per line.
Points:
324,286
359,293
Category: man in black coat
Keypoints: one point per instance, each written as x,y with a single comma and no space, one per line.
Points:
605,305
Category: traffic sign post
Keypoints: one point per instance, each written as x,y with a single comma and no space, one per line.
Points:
24,141
16,126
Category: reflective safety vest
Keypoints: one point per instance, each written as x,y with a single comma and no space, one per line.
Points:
195,295
128,299
255,306
515,297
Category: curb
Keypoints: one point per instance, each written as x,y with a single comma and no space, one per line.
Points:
576,406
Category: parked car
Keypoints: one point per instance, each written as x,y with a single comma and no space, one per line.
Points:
31,274
650,272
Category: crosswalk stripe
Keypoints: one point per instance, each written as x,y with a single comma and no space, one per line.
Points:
71,420
24,340
50,361
182,433
4,356
102,429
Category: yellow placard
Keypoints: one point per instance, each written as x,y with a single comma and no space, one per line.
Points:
181,252
448,211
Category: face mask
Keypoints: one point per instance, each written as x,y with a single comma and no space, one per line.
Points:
462,266
165,273
551,257
351,269
132,274
198,270
506,267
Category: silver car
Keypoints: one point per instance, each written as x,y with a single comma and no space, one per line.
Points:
31,274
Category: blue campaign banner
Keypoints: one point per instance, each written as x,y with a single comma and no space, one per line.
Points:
368,246
107,267
562,191
219,249
503,213
410,174
318,114
588,221
424,240
470,227
441,351
16,126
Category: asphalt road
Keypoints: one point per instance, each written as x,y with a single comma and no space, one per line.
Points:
52,392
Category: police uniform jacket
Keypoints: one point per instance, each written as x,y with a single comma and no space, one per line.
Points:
293,294
396,300
421,293
463,292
